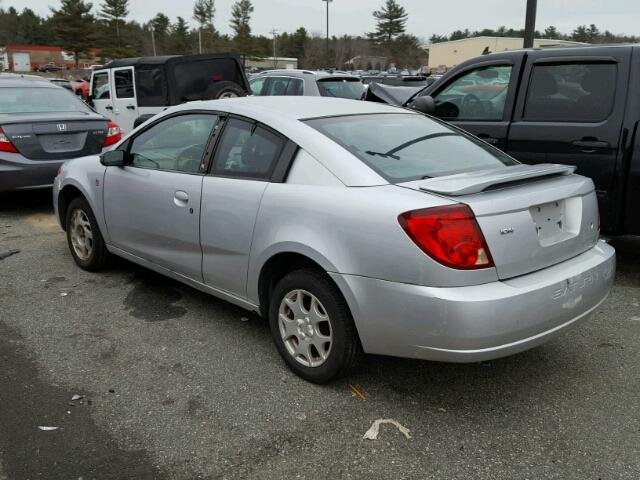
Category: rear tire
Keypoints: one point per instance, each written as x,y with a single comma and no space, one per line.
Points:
223,90
84,238
312,327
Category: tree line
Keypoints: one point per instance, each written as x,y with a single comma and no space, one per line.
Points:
582,33
78,25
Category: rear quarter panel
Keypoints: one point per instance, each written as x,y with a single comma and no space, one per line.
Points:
349,230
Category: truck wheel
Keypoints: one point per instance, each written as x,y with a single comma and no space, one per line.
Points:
223,90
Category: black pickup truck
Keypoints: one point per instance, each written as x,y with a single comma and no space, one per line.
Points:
577,106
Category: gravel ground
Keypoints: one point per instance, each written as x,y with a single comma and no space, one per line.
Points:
176,385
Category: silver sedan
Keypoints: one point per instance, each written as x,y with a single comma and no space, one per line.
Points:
351,226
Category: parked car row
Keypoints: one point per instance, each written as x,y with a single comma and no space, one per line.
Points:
352,226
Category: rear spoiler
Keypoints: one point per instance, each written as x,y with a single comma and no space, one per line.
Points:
476,182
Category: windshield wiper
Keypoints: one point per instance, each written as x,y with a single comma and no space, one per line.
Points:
380,154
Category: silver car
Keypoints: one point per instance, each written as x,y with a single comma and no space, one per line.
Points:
352,226
307,83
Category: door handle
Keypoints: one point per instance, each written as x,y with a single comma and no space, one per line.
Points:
590,146
181,198
488,138
109,107
131,107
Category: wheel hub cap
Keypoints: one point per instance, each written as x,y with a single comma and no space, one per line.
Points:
81,235
305,328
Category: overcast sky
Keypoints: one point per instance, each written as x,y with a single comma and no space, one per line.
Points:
425,16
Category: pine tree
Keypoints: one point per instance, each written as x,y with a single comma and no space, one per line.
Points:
113,11
73,25
160,25
180,42
391,22
240,18
204,12
551,32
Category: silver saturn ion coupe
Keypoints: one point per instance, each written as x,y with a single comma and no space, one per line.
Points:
354,227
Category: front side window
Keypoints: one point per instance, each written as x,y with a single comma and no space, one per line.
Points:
175,144
256,85
578,92
247,150
477,95
123,80
39,99
403,147
101,90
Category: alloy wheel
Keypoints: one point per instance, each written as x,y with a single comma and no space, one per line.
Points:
305,328
81,236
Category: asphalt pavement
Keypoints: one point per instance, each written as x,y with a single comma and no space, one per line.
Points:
175,384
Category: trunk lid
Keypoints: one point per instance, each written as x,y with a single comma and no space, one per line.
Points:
532,216
52,137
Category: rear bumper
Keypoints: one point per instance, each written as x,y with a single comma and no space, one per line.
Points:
483,322
17,172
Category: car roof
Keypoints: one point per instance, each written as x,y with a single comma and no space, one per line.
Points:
166,59
302,73
16,80
293,107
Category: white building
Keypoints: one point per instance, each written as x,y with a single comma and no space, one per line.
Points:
446,55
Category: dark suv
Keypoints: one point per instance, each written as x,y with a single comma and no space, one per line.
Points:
576,106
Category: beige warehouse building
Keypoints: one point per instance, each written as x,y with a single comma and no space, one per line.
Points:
449,54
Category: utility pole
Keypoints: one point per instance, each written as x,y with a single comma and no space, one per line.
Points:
153,40
274,32
327,50
530,23
200,39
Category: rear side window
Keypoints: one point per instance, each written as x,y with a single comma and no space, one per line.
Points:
403,147
101,89
351,88
578,92
151,86
247,150
284,86
123,80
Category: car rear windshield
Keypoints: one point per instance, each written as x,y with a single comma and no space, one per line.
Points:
351,88
403,147
39,100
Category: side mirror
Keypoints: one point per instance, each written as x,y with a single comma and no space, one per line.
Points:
425,104
113,158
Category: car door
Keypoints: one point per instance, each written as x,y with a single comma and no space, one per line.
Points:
570,111
480,98
101,93
152,205
125,108
245,161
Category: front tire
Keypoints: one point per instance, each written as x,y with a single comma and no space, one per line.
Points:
84,238
312,327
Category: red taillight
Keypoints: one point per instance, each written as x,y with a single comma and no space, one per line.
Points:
5,144
217,78
114,134
450,235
